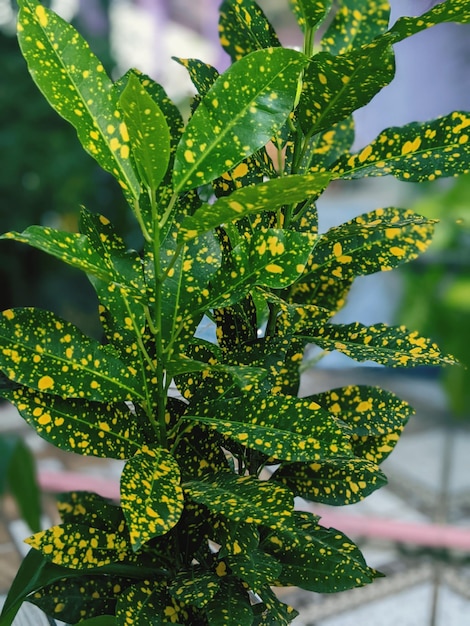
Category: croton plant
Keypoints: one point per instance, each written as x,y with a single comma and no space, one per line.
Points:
215,441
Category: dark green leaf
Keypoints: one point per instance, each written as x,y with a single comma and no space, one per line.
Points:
334,481
149,603
80,426
230,606
196,586
416,152
151,495
274,612
316,558
102,620
255,568
329,146
48,354
243,499
244,28
448,11
77,87
394,346
148,130
203,75
267,196
87,508
240,113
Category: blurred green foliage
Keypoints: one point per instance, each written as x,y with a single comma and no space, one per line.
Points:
437,286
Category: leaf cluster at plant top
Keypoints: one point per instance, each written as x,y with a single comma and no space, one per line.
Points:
206,524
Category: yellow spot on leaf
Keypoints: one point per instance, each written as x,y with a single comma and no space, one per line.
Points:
42,15
46,382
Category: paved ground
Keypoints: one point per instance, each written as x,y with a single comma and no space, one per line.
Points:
429,481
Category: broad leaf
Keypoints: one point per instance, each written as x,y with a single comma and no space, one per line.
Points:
80,426
336,481
231,605
46,353
328,147
240,113
255,568
244,28
267,196
394,346
77,87
271,611
243,499
281,427
316,558
148,130
151,495
416,152
148,602
196,586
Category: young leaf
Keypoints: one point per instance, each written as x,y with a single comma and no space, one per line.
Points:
356,23
416,152
243,499
244,28
267,196
46,353
394,346
151,495
240,113
316,558
310,13
80,426
336,481
74,82
148,130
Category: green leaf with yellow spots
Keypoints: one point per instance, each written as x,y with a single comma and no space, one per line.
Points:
316,558
245,107
151,495
376,448
271,611
329,146
336,481
450,11
80,426
325,290
234,537
255,568
310,13
196,586
199,452
70,599
149,135
243,499
148,602
86,507
46,353
81,547
267,196
368,411
416,152
244,28
394,346
281,427
74,82
202,75
356,23
335,86
231,606
372,242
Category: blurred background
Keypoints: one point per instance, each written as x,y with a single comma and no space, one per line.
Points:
45,177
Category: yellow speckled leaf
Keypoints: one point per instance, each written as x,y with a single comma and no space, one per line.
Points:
77,87
151,495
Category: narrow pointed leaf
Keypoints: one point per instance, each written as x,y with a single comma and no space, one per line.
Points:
240,113
77,87
243,499
266,196
394,346
244,28
20,473
202,75
448,11
151,495
80,426
356,23
46,353
148,131
417,152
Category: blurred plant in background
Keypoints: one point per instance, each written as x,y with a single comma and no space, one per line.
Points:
437,287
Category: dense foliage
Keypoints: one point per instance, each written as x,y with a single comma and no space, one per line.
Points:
215,440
